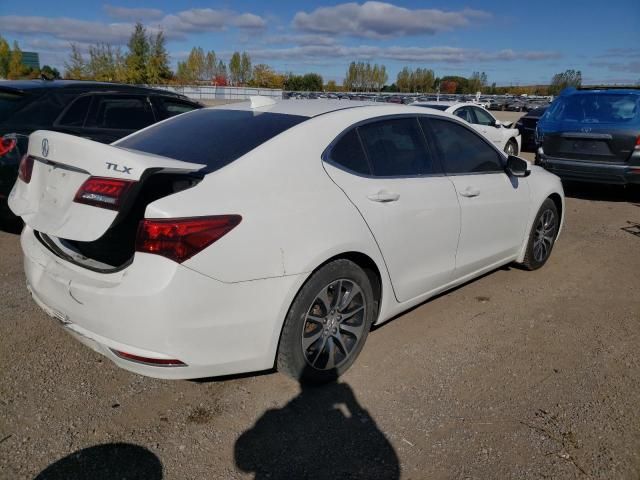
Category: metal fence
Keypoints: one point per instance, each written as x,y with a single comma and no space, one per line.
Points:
210,92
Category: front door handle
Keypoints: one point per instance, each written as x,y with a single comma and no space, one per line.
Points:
384,197
470,192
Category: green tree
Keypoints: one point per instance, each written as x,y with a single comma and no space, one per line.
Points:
138,55
568,78
75,68
264,76
51,73
158,70
101,65
210,66
16,69
5,55
235,68
477,82
245,68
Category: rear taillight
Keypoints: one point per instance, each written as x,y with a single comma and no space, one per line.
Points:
637,146
6,145
103,192
180,238
26,168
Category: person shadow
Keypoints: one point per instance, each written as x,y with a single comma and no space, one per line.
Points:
110,461
323,433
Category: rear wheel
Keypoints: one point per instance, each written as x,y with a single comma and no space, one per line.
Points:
511,148
327,324
543,236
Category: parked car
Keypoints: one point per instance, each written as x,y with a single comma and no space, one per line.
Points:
592,135
103,112
501,134
243,237
526,125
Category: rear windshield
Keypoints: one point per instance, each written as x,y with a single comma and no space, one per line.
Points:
595,108
436,106
9,103
211,136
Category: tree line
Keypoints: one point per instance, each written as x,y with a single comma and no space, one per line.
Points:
12,68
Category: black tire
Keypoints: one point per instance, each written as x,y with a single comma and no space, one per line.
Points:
511,143
309,315
533,258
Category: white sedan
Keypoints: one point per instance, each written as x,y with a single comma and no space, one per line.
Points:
505,138
258,235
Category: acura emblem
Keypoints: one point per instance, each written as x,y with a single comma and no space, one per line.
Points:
45,147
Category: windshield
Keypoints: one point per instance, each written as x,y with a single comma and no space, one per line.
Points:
9,102
595,108
210,136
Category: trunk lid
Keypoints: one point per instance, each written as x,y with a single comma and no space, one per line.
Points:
62,164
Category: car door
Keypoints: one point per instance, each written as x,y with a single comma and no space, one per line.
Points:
113,116
494,206
487,125
392,177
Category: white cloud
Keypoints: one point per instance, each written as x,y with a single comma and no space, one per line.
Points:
132,14
383,20
449,55
249,21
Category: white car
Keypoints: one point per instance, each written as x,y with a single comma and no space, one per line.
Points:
505,138
242,237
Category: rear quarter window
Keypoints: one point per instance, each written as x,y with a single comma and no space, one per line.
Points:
214,137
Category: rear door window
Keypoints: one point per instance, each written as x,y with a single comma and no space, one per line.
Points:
465,114
215,137
76,113
396,147
118,112
462,150
348,153
483,118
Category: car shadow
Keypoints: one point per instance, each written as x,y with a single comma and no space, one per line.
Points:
602,192
10,224
106,462
323,433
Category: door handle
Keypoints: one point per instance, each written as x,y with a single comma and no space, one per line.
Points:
470,192
384,197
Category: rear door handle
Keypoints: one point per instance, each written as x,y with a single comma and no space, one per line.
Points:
470,192
384,197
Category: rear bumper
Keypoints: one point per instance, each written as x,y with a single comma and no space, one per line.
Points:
159,309
588,171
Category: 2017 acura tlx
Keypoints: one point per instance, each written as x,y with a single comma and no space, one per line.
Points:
238,238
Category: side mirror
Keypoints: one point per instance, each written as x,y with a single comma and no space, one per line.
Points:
518,167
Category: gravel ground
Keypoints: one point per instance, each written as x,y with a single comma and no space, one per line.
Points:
517,375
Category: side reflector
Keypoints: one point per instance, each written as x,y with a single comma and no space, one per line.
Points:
103,192
26,168
158,362
178,239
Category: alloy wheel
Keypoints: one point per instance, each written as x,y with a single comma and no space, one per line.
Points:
334,325
544,236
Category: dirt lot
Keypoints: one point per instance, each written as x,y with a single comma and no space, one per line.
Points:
521,375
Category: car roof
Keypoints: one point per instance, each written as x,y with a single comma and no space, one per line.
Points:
88,85
303,108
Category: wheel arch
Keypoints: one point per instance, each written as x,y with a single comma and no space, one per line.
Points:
364,261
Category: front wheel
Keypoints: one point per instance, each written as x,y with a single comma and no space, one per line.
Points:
543,236
327,323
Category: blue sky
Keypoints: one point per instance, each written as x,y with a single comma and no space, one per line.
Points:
514,42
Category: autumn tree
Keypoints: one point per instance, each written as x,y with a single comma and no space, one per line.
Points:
5,55
158,70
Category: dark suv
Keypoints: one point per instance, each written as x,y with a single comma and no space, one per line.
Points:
592,135
104,112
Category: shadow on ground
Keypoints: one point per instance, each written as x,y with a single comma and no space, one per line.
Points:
602,192
110,461
323,433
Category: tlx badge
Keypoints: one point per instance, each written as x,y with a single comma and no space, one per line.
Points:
117,168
